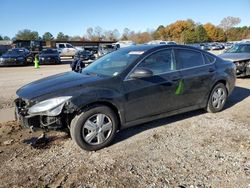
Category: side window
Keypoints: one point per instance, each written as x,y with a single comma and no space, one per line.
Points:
69,46
159,62
188,58
209,59
61,46
245,49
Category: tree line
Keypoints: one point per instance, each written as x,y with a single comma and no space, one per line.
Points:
181,31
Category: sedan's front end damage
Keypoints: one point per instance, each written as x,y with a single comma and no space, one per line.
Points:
239,54
53,114
242,68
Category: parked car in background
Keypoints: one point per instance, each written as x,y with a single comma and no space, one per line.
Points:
123,44
82,58
201,46
66,49
216,46
105,49
162,42
228,45
239,54
127,87
205,47
16,56
49,56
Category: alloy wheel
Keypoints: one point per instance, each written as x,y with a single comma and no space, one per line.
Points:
218,98
97,129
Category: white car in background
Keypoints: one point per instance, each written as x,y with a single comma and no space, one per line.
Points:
161,42
124,43
66,49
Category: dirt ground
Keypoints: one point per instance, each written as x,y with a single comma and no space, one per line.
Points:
12,78
195,149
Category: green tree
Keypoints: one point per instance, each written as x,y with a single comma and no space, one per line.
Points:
27,34
159,33
1,38
47,36
189,36
62,37
6,38
201,34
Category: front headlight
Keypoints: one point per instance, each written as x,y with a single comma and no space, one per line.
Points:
50,107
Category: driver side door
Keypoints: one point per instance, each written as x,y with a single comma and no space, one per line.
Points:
152,95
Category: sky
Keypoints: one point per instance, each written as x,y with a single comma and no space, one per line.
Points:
73,17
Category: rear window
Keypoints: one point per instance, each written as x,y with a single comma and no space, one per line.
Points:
188,58
69,46
209,59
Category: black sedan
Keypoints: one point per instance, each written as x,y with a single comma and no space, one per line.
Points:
81,58
16,56
49,56
84,55
240,55
127,87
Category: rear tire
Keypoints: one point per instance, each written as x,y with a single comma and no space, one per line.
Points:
94,128
217,98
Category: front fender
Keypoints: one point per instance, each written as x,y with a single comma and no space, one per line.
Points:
90,96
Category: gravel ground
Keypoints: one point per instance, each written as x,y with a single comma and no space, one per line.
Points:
194,149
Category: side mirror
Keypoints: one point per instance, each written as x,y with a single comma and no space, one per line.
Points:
141,73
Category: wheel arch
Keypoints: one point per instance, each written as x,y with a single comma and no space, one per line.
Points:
104,103
222,81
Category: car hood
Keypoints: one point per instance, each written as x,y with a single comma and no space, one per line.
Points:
235,56
58,85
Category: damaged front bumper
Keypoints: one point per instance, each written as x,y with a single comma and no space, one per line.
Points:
59,118
242,68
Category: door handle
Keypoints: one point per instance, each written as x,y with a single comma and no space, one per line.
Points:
176,78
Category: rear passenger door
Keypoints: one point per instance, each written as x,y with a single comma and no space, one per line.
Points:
197,75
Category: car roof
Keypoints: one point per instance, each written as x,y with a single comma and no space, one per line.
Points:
17,49
147,47
243,44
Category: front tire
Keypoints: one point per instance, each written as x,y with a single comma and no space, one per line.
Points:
94,128
217,98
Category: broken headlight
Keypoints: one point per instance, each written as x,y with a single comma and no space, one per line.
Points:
50,107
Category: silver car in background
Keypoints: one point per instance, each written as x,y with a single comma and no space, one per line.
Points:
240,55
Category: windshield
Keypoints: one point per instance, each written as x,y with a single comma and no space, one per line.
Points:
112,64
239,49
